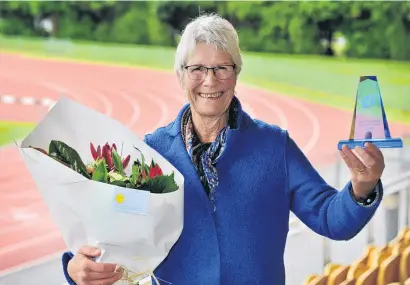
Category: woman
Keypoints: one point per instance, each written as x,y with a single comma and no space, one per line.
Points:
242,176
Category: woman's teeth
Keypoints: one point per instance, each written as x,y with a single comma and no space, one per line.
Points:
211,95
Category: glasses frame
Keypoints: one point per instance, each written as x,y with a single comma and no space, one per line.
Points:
211,68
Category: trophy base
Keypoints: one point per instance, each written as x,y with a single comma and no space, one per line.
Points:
380,143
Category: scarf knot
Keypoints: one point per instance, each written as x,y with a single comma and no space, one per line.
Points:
204,156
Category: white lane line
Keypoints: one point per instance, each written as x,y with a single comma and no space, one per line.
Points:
283,121
28,101
312,118
163,110
16,214
136,109
47,102
63,90
23,225
105,101
159,100
8,99
248,109
299,106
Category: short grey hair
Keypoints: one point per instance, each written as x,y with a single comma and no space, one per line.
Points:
210,29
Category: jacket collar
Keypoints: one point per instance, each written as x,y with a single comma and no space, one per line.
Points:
243,119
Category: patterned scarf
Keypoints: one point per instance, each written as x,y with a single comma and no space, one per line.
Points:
204,156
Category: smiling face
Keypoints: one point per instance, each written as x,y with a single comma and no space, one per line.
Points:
209,95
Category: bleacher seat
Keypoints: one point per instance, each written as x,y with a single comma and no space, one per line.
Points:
384,265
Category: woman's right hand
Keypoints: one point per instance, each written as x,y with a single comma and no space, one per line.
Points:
85,271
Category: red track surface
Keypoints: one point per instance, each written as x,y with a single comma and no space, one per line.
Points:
141,99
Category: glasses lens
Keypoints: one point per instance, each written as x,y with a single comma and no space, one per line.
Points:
224,72
196,72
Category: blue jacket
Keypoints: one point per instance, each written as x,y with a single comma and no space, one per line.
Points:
263,176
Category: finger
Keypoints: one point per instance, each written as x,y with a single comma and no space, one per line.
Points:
368,160
343,155
89,265
105,281
91,275
102,267
354,161
374,150
89,251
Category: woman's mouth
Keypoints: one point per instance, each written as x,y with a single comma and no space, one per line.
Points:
211,95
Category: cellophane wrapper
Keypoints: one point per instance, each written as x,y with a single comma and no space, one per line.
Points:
136,231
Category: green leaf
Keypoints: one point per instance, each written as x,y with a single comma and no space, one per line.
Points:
135,175
100,172
145,180
117,161
68,155
142,160
114,176
119,183
162,184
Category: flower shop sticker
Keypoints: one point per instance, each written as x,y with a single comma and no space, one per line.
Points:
130,201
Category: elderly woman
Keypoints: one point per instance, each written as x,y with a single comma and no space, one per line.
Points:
242,178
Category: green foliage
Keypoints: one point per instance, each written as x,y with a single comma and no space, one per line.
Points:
68,156
100,171
162,184
372,29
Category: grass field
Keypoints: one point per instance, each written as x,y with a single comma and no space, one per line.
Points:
13,130
323,80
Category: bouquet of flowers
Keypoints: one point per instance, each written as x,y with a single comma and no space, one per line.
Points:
105,188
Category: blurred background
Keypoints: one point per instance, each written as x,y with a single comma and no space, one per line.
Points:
310,53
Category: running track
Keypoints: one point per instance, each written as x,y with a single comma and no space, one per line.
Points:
141,99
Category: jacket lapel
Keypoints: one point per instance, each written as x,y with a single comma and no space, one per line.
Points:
179,157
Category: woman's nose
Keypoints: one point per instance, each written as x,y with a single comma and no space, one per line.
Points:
210,78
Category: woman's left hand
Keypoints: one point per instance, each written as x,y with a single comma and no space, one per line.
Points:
366,168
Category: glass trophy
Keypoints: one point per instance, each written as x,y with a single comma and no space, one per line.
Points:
369,123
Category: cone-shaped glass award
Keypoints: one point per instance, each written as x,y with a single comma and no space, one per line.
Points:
369,123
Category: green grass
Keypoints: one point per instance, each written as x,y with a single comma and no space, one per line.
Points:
10,131
322,80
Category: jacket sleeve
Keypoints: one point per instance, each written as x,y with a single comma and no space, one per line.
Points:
65,259
329,212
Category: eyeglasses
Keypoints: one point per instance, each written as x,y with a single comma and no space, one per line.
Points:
198,72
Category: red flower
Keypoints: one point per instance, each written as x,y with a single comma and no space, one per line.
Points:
125,161
106,153
96,153
155,171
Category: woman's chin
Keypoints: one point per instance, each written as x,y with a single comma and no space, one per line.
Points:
211,106
210,109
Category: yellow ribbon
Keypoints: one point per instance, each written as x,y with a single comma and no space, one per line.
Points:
131,277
